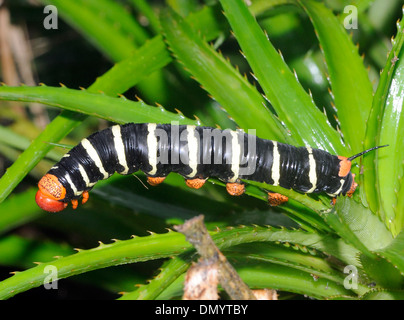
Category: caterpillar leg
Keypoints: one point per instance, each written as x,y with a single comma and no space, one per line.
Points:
195,183
75,203
154,181
235,189
276,199
85,197
353,187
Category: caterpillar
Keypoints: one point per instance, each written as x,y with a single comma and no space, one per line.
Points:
196,153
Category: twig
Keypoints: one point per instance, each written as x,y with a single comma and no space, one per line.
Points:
201,281
197,234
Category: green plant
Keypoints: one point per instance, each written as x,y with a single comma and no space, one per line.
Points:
304,251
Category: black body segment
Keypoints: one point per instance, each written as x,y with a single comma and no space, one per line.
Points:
263,159
197,153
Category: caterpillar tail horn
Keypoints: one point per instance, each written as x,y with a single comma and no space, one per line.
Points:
364,152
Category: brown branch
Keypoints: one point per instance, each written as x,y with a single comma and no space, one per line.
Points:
201,281
265,294
197,234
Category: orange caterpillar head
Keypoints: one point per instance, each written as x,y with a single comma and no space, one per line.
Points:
50,192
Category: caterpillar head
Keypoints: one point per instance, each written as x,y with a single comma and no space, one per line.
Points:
50,194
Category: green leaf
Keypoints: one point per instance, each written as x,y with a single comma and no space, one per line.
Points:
117,253
209,22
121,20
383,294
382,272
11,138
300,207
239,98
164,245
18,209
147,10
386,126
394,252
171,270
294,106
184,7
359,226
94,24
93,104
390,161
350,84
152,56
265,275
21,252
296,257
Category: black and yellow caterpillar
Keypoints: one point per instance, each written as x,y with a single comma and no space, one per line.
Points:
196,153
